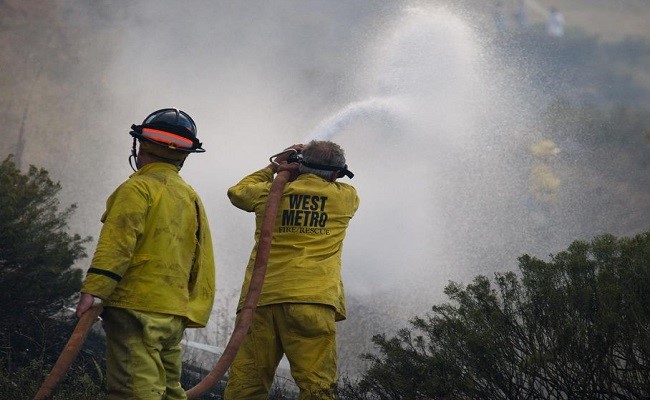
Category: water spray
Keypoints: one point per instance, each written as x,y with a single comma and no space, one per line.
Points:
372,107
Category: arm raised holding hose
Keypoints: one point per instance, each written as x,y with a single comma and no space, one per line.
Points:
285,173
302,296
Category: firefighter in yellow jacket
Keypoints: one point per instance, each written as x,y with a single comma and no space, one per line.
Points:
302,296
153,268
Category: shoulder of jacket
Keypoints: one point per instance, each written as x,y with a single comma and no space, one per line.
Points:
345,186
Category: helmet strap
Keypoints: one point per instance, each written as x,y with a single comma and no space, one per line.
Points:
133,158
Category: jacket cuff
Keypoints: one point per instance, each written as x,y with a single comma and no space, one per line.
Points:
100,284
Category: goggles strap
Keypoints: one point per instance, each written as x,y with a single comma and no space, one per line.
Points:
343,171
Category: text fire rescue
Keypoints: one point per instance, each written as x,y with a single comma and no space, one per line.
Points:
305,211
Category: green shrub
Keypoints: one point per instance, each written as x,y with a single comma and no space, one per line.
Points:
573,327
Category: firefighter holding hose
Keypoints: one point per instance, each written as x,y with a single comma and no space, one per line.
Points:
302,296
153,268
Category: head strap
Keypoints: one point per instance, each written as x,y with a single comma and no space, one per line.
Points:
343,171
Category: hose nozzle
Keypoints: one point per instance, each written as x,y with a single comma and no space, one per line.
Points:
294,157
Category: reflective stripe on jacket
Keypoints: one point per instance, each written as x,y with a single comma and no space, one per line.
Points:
305,259
151,254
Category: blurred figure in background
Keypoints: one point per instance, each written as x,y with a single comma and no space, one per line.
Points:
555,23
544,184
500,17
521,15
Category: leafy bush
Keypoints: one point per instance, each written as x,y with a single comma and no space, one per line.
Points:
573,327
36,251
36,282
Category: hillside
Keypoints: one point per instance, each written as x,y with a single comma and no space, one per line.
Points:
609,20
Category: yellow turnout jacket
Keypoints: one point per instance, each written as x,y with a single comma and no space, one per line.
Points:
155,251
305,259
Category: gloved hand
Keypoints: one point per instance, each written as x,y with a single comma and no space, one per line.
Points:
85,302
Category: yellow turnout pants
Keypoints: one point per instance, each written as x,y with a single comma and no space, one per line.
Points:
143,355
306,333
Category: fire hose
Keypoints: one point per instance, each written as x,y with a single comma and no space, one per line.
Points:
69,353
242,322
245,316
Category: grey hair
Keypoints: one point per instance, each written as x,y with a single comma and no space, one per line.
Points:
322,152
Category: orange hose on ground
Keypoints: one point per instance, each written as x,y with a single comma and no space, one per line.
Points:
70,351
245,316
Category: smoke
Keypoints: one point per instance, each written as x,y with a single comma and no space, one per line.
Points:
435,129
405,90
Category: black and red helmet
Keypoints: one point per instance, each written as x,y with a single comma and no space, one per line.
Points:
171,128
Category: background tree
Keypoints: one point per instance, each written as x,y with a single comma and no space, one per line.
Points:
574,327
36,253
